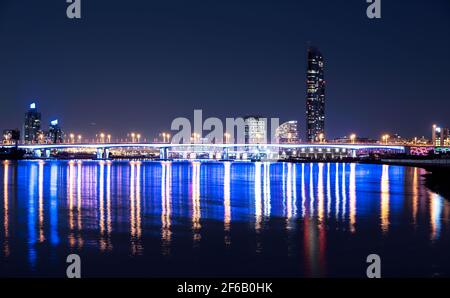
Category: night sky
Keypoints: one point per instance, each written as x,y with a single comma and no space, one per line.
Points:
138,64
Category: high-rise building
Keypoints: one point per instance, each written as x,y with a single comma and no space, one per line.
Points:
55,133
11,136
255,130
32,125
315,96
440,136
287,133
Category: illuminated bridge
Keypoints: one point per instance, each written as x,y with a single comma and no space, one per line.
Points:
217,151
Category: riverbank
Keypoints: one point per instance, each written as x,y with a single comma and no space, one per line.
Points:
437,178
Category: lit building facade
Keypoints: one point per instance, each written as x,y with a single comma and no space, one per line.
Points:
440,136
287,133
55,133
315,96
255,130
32,125
11,136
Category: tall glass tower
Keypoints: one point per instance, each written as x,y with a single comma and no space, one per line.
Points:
315,96
32,125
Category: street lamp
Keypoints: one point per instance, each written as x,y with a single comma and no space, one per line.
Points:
385,138
109,138
138,137
72,138
168,138
79,138
164,137
132,137
227,137
352,138
102,138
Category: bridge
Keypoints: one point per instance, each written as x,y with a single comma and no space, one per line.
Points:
216,151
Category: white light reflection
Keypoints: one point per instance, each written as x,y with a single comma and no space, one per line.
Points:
320,194
6,248
226,201
344,191
352,193
266,189
166,205
41,201
436,205
385,199
196,211
336,191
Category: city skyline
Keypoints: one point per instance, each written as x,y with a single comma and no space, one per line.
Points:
33,131
228,63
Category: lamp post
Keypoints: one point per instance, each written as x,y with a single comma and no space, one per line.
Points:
352,138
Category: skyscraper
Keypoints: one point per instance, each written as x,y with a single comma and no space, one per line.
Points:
255,130
55,133
315,96
287,133
32,125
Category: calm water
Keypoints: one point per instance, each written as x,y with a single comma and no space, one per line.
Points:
219,219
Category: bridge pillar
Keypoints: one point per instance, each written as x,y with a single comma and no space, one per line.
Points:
37,153
225,153
106,153
164,153
47,153
100,153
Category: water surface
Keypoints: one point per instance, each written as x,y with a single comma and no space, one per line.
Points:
192,219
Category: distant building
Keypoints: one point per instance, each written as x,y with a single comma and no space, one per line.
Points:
55,133
32,125
11,136
255,130
287,133
440,136
315,96
356,140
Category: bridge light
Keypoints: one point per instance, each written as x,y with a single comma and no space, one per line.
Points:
352,138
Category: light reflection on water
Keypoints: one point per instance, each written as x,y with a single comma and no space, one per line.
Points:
57,207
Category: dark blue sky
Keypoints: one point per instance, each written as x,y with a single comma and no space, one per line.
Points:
138,64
